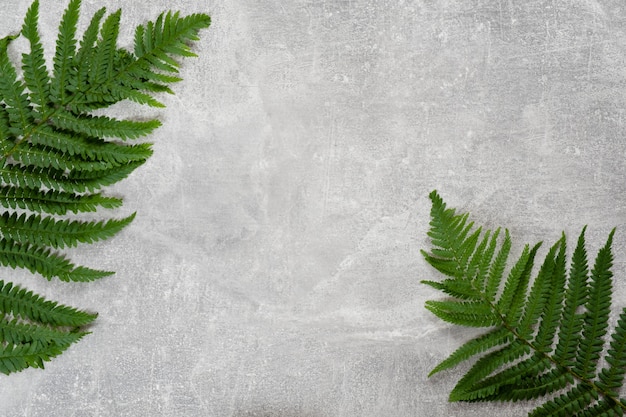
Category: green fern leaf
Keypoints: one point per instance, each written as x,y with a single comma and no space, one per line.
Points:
575,296
17,357
101,65
56,157
596,319
545,335
34,330
47,231
13,92
36,75
496,268
102,126
54,202
65,52
89,148
42,260
612,378
18,302
81,65
496,337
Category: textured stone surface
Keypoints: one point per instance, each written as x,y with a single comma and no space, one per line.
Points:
273,268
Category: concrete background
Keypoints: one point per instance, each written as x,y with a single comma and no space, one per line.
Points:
273,268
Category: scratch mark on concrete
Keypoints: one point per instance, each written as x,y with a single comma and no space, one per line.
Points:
555,50
329,158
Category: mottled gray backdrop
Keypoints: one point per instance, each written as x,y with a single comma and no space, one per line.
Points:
273,268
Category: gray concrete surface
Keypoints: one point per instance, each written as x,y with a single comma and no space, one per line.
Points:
273,268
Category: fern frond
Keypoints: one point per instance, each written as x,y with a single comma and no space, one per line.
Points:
552,311
468,313
567,404
534,386
102,126
157,44
65,53
82,62
511,300
575,297
18,302
482,258
496,337
47,231
56,156
94,180
538,296
14,96
54,202
101,66
545,335
456,288
36,75
75,181
90,148
499,385
496,269
43,261
17,357
34,330
596,319
15,332
464,389
40,157
612,378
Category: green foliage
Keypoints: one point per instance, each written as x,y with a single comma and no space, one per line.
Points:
56,156
34,330
545,336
